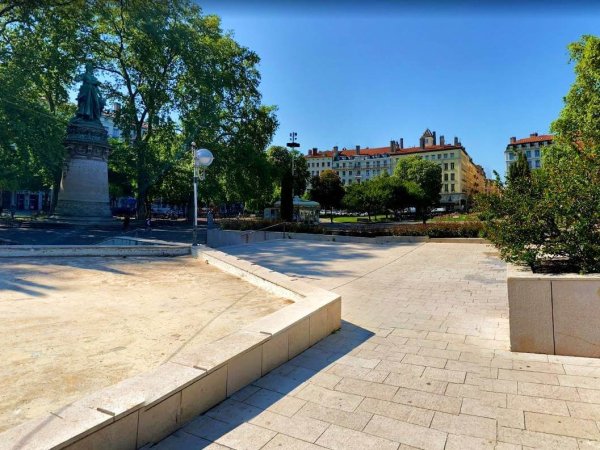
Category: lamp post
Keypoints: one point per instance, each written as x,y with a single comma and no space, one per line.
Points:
202,158
293,144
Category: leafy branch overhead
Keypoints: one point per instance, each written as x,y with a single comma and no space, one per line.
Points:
176,75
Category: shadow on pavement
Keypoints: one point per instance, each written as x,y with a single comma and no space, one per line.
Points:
306,259
16,274
264,394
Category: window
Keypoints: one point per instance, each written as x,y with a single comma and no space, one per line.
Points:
445,166
323,164
537,163
328,164
445,177
528,153
452,166
452,177
343,164
537,153
349,173
511,156
439,156
451,188
445,155
451,155
445,188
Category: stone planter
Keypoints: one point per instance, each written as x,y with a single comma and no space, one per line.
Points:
554,314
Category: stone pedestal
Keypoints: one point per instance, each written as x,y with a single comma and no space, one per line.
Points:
83,195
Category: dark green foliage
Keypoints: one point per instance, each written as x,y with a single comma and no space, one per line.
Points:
426,179
549,219
518,170
327,189
177,76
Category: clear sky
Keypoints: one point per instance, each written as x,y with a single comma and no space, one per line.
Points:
348,73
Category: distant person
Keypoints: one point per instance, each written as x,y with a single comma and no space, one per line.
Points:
13,210
126,222
148,223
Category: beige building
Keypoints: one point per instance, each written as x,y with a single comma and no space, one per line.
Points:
461,177
531,147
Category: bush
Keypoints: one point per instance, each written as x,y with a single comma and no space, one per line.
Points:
549,219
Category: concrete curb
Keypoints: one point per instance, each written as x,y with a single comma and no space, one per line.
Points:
146,408
220,238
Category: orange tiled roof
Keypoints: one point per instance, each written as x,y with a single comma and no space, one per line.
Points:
527,140
383,150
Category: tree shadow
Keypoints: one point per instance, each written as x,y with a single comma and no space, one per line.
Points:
33,276
307,259
264,393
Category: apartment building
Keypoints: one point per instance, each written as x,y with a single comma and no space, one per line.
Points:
531,146
461,177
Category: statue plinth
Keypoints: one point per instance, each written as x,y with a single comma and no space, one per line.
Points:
83,195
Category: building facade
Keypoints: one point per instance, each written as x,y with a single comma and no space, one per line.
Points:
461,177
531,147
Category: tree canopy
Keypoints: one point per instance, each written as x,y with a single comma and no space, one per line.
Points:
175,74
427,178
327,189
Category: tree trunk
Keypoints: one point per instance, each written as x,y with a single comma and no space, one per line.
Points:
287,204
331,214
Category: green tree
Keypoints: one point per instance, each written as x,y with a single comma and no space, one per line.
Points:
427,175
578,124
551,216
165,59
519,170
41,47
327,189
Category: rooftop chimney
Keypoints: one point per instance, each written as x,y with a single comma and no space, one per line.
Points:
533,135
401,143
456,140
442,140
434,138
422,142
335,151
392,146
513,140
358,149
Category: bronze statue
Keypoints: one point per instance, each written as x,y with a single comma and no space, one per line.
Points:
89,100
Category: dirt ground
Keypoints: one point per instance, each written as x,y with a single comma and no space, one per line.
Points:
70,326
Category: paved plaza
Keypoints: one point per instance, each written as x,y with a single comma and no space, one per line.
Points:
71,326
422,361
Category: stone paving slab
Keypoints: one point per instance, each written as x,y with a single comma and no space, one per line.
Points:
422,361
72,326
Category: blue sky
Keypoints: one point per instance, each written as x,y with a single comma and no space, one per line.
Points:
367,72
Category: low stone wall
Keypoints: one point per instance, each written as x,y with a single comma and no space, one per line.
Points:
220,238
554,314
146,408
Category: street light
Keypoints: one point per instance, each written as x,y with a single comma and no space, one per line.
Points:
202,158
293,144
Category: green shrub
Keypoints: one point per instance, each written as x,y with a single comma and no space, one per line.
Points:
549,219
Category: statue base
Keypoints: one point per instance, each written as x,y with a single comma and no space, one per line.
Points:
83,195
